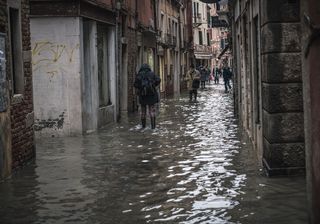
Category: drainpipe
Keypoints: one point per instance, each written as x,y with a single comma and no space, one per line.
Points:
180,27
310,25
118,55
156,63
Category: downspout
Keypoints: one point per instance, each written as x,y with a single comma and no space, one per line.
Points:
179,49
118,55
156,62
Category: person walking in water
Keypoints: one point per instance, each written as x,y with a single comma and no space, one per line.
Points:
193,82
203,76
227,75
146,83
216,75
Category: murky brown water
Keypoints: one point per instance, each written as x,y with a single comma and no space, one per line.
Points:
193,169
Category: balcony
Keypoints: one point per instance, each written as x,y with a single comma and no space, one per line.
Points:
197,19
202,49
203,52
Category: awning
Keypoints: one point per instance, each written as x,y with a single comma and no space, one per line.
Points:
223,52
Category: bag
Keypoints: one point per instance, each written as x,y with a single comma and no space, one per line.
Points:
195,84
147,87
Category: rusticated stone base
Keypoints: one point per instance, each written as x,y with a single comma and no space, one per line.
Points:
284,158
285,171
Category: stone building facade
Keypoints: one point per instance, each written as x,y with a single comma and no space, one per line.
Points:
16,104
276,64
83,79
310,17
129,53
75,66
147,37
173,45
201,35
267,54
219,31
137,41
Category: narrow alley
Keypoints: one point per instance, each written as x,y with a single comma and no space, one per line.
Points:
194,168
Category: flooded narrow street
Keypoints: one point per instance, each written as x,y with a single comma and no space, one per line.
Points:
194,168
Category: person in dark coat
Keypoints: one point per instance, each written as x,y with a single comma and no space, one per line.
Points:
203,77
227,75
146,83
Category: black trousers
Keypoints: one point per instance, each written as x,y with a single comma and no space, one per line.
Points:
203,84
193,92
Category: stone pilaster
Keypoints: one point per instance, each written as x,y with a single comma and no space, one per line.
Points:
283,148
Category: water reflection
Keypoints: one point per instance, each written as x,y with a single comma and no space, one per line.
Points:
192,169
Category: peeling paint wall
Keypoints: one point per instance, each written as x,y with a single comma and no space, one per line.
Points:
56,75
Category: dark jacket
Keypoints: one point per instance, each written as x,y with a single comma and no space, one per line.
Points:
227,74
203,74
145,71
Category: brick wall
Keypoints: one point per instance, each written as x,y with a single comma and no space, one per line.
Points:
132,63
23,148
5,123
145,13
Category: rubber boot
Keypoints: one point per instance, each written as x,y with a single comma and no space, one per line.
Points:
153,122
190,95
143,122
195,95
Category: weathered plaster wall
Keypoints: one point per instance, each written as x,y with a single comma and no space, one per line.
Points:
56,80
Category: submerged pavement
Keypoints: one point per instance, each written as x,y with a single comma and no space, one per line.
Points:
194,168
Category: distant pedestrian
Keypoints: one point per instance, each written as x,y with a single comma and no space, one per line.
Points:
203,77
193,82
216,75
146,83
227,75
208,74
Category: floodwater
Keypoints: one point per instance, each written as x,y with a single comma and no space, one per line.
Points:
194,168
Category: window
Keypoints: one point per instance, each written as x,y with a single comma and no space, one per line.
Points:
103,66
17,76
222,44
200,38
161,22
